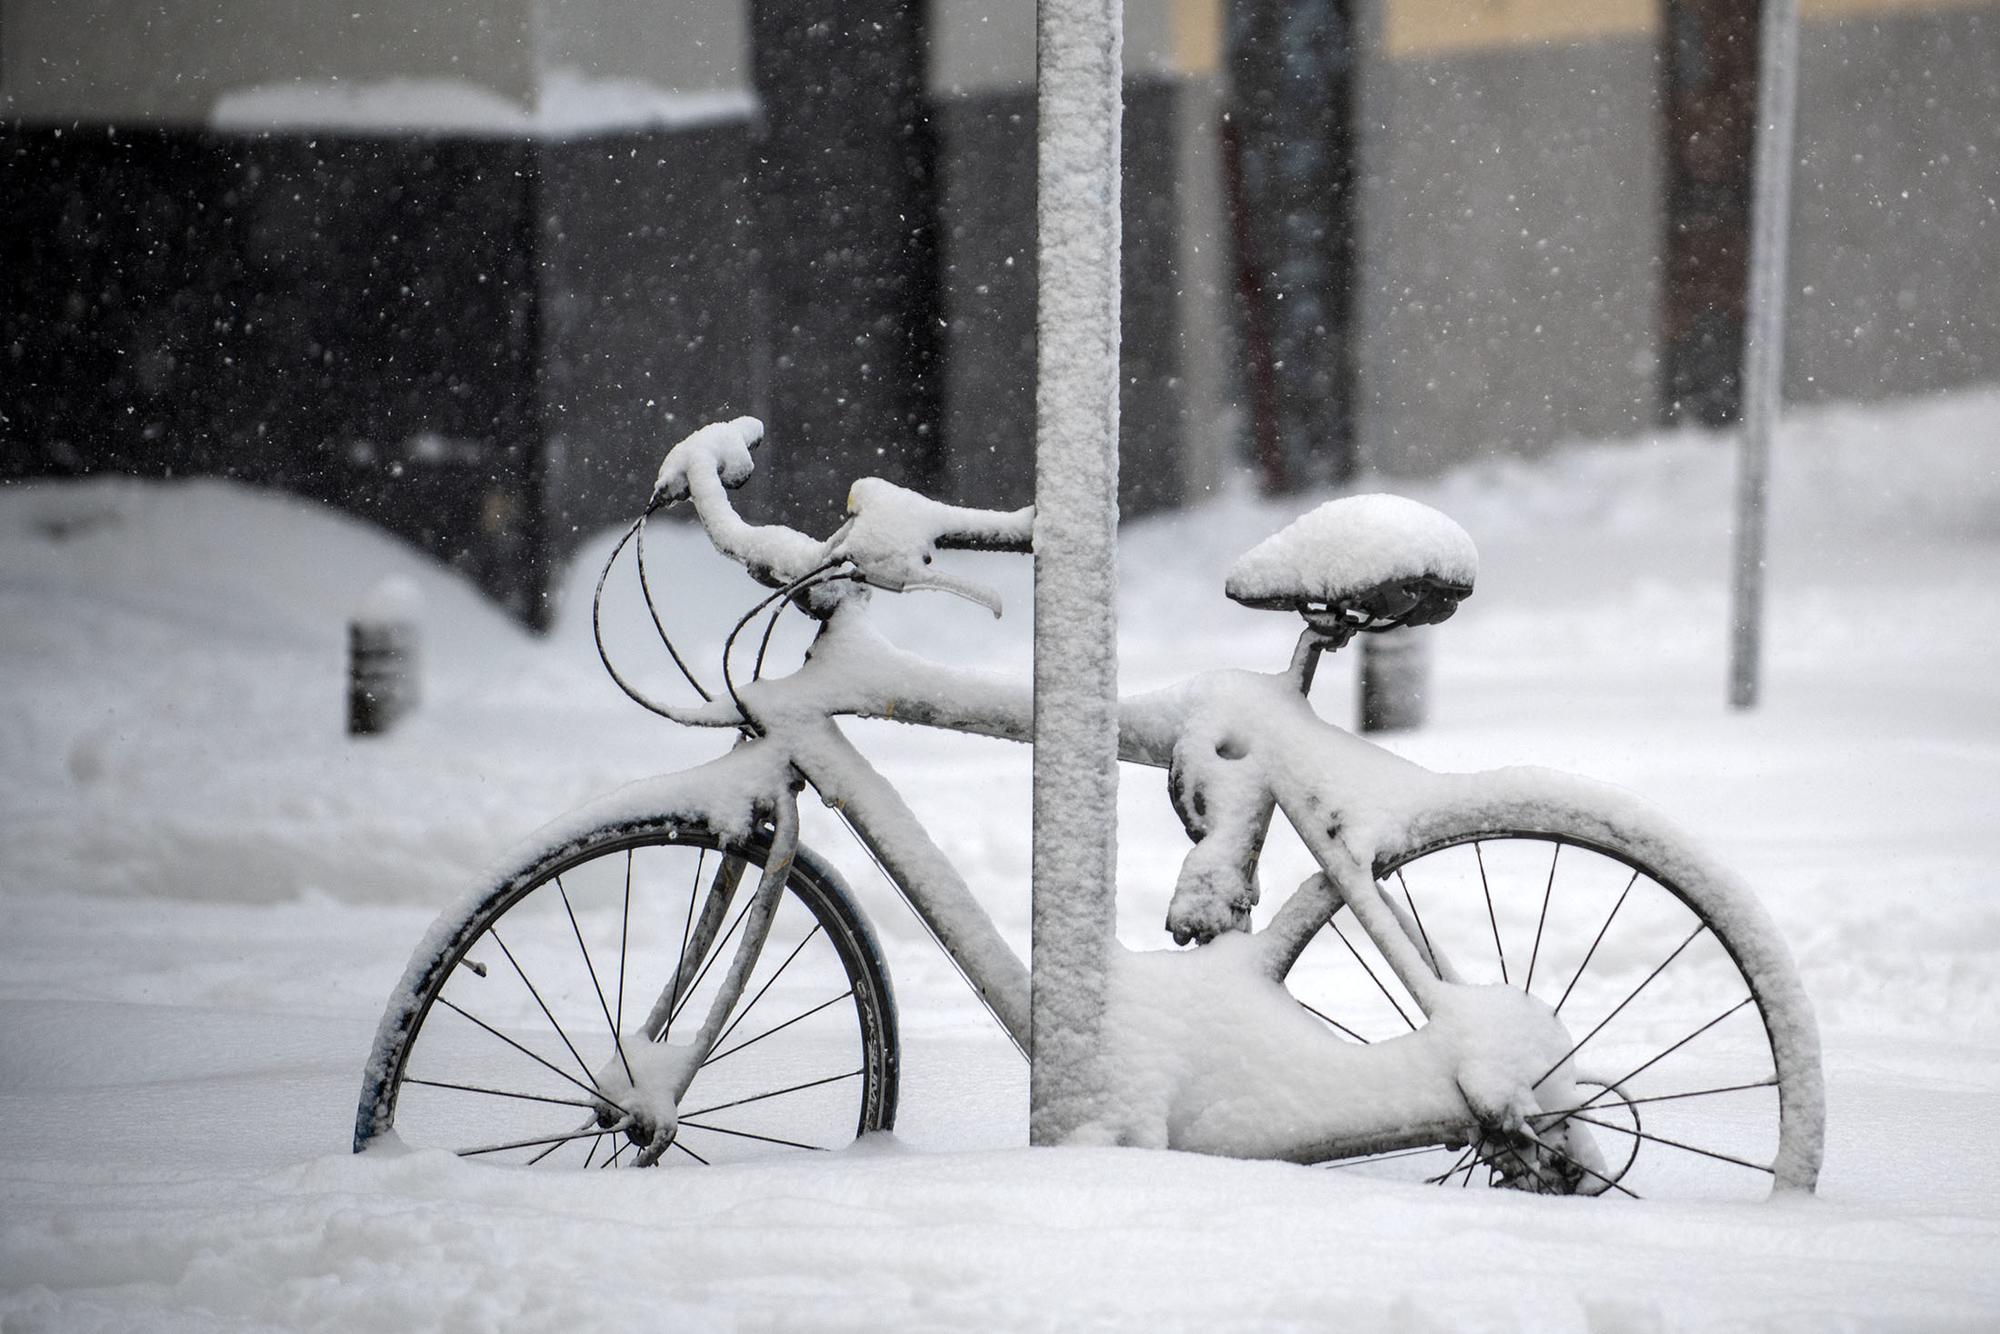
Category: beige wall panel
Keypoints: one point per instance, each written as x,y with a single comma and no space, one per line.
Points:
682,46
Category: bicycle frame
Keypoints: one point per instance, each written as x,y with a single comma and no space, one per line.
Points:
1217,1049
1487,1059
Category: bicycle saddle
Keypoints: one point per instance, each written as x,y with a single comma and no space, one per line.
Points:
1376,561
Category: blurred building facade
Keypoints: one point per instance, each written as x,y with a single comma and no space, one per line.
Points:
467,269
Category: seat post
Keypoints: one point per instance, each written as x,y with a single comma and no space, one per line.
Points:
1305,659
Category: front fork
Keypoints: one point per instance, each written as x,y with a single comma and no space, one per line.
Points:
664,1084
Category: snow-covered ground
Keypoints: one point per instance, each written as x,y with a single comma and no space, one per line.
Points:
207,892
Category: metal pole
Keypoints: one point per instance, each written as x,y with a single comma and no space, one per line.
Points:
1764,350
383,656
1079,61
1395,679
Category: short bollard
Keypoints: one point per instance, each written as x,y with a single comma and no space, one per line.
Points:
1395,680
382,658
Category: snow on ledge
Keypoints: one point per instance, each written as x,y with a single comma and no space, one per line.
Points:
569,106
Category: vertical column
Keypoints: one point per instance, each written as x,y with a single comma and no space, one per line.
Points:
1708,89
1079,53
1289,150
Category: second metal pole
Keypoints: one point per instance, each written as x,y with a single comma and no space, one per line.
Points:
1764,348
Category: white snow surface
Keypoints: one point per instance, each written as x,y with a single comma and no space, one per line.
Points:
568,104
209,892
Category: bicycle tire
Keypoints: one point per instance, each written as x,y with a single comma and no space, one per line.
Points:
1682,1007
471,1007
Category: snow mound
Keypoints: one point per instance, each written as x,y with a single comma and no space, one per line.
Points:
568,105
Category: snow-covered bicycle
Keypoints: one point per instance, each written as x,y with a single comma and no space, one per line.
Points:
1515,978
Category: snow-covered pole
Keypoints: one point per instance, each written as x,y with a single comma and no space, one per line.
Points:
1079,73
1764,347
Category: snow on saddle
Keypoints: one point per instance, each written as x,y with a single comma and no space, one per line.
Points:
1369,562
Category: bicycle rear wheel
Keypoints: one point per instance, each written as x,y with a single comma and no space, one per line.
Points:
1696,1051
499,1046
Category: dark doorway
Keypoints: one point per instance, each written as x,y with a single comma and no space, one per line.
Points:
1708,106
1288,157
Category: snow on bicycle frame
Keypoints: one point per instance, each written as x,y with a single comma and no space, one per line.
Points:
1204,1049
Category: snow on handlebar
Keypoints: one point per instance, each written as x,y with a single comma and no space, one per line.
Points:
716,457
889,538
892,532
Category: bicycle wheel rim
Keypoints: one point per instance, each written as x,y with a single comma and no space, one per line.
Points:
1667,1019
503,1050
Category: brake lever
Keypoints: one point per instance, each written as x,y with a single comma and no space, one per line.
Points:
940,583
881,560
963,588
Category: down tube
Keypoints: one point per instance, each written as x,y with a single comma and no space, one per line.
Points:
927,880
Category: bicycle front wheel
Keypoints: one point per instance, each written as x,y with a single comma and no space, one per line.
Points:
511,1038
1696,1053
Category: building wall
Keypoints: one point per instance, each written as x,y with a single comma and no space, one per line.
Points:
1510,217
483,333
115,61
1512,224
1896,205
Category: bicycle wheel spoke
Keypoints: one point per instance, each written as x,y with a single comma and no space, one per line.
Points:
536,1142
617,1043
1486,888
1675,1144
1388,1157
680,960
1589,1170
558,1070
497,1093
716,951
745,1134
1548,892
750,1042
581,1064
1515,1154
744,1013
1642,1069
1371,973
1429,951
774,1093
589,1128
624,939
1699,928
1328,1019
591,1157
690,1152
1770,1083
1591,953
1457,1165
